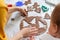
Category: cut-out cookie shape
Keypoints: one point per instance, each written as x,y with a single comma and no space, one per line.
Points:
25,23
29,19
36,24
38,10
29,8
35,5
42,25
46,16
41,31
33,21
41,20
27,2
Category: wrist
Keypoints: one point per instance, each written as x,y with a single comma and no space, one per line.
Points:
22,33
18,36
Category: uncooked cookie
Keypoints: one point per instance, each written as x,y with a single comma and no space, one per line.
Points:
29,19
29,1
38,10
41,20
29,8
26,3
35,5
46,16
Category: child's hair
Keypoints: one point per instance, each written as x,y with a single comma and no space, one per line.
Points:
55,16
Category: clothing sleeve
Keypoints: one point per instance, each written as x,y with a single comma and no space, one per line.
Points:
3,16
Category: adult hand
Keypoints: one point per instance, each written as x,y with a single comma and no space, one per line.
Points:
22,11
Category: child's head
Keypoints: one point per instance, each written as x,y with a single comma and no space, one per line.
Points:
55,22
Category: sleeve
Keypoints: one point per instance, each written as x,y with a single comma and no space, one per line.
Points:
3,16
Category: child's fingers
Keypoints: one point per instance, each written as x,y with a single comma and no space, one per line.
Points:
23,12
33,30
34,33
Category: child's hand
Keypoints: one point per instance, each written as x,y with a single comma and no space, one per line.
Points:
25,32
28,31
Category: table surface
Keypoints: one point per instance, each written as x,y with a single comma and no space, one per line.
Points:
12,27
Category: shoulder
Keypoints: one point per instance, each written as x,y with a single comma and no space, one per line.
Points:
47,37
2,4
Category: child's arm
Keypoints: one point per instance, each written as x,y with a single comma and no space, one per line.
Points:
24,32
